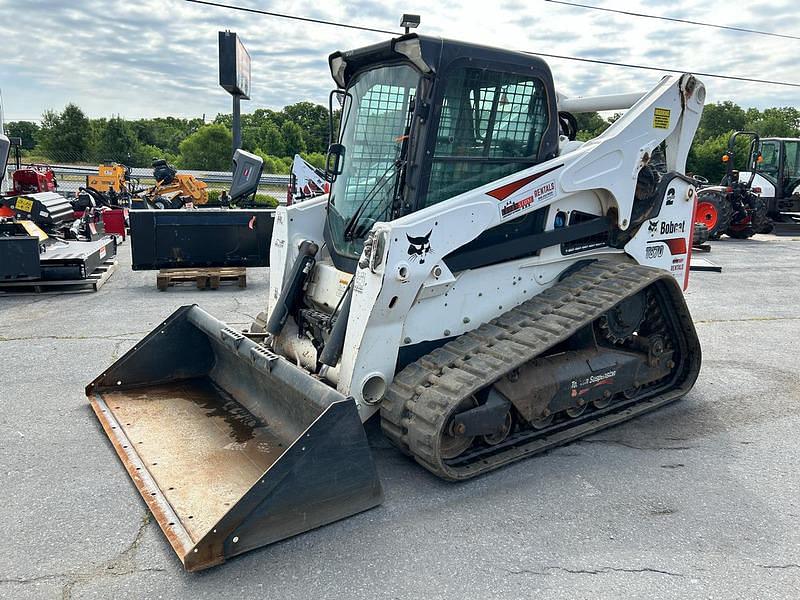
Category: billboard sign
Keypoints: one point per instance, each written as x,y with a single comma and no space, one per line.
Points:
234,65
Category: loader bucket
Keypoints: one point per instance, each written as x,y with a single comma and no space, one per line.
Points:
231,447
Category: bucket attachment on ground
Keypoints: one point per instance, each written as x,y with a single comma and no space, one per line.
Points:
232,447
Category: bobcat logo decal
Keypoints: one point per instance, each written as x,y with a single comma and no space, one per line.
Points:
652,226
419,247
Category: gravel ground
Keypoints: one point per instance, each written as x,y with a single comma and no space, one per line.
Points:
699,499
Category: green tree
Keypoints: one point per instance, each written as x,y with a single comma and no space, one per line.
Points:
65,136
293,138
719,119
118,142
313,121
146,153
590,125
705,157
271,140
26,130
274,165
776,122
315,159
207,148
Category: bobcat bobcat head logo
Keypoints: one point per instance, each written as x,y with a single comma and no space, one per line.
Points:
419,247
652,226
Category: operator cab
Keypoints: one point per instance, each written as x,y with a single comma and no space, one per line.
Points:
425,119
780,164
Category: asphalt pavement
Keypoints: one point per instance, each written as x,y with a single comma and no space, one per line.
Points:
696,500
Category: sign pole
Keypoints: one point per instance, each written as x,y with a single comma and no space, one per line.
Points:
234,77
237,124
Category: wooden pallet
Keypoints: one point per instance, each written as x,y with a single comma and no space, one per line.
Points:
67,286
210,278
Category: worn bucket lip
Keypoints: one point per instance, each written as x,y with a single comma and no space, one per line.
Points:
166,517
156,501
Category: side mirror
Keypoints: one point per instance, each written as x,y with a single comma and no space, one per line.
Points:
333,161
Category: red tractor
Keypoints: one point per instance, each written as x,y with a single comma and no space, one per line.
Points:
734,207
30,179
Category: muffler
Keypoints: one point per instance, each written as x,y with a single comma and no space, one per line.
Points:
231,446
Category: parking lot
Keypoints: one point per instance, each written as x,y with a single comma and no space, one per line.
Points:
699,499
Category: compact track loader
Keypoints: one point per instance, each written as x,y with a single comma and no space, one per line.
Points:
478,280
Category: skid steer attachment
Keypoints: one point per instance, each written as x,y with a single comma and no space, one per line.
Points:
231,446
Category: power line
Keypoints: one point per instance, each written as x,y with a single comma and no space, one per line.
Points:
293,17
649,68
674,20
558,56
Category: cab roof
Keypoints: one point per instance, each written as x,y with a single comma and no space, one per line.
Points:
433,55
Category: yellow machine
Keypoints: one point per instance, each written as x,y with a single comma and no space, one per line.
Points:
173,189
111,177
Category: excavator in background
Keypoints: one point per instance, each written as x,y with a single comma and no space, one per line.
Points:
481,282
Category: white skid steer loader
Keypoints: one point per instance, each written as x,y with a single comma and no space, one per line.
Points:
485,283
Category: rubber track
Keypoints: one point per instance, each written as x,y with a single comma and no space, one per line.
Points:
423,396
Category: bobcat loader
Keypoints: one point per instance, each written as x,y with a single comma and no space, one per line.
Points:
478,280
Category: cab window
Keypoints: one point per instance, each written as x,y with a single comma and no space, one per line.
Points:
491,125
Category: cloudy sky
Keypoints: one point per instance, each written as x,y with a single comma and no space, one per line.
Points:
142,58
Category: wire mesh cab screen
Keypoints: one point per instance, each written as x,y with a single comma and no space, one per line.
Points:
491,125
374,120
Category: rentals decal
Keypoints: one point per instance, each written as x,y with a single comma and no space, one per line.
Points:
678,265
543,193
517,198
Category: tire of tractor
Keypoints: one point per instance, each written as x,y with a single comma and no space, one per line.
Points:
758,221
714,210
162,203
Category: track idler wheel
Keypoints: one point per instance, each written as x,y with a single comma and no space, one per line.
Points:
576,411
454,442
501,434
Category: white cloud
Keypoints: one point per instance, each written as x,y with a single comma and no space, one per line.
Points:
159,57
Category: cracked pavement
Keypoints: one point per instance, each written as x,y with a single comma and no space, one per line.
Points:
698,499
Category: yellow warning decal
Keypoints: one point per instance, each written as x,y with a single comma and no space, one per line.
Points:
661,118
23,204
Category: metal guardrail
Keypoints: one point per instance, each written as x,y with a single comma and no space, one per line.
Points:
210,177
